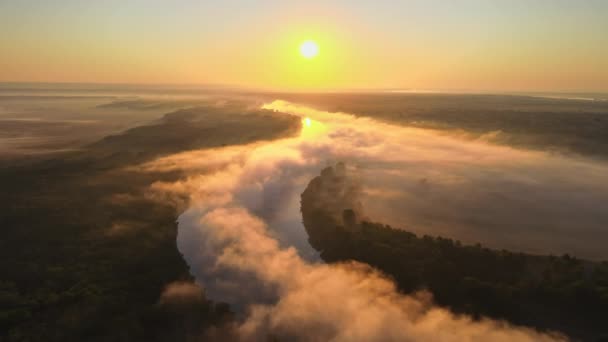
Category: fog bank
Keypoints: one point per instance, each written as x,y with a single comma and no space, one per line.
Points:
243,239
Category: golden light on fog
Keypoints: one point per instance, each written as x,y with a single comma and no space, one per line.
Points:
312,129
309,49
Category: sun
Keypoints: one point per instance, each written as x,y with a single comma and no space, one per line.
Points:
309,49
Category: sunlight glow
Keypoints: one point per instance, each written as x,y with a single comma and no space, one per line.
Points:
309,49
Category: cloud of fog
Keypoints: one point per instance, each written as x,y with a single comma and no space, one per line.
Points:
243,239
316,302
181,291
418,180
472,190
34,126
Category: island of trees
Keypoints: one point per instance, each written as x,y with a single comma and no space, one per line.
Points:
560,293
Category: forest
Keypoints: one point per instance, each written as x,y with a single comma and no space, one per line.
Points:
550,292
85,255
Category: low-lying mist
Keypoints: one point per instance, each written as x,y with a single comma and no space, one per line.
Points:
439,185
243,239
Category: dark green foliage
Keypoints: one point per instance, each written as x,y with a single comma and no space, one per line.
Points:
545,292
85,256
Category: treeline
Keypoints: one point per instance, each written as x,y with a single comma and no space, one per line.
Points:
85,255
545,292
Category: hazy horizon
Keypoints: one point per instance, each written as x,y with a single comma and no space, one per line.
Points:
477,45
271,170
75,86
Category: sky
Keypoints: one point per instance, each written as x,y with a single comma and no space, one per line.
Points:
384,44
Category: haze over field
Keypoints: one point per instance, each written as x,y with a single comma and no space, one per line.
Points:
303,171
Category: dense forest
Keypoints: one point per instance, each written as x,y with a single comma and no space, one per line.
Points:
85,255
545,292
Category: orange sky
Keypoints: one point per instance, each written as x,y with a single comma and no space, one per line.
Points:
431,45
